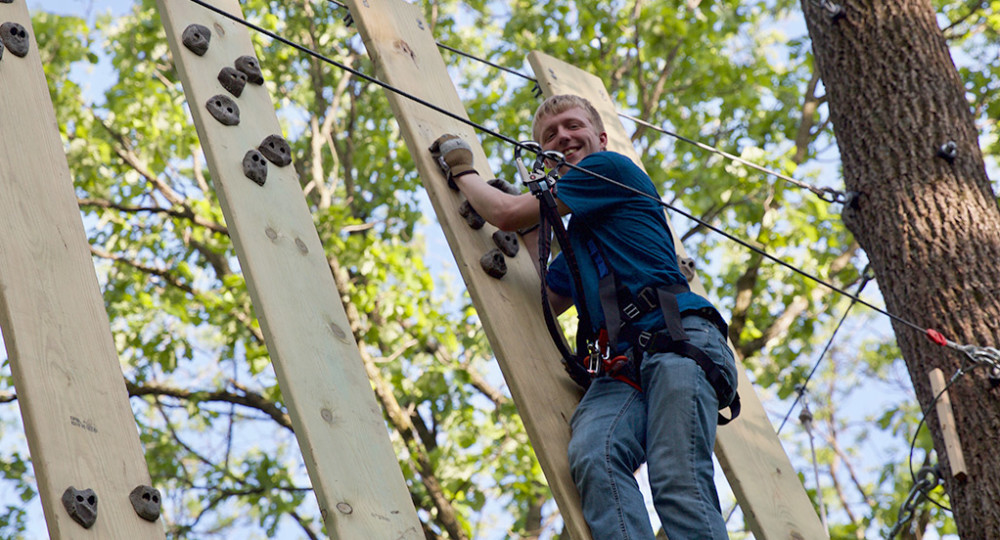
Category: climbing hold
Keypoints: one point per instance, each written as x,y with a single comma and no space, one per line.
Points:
687,267
146,502
504,186
224,109
232,80
255,167
81,505
276,150
471,216
196,37
493,263
1,46
506,242
15,38
249,66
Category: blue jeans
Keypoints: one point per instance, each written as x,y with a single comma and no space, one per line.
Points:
671,426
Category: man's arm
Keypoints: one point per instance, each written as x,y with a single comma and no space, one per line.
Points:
558,302
504,211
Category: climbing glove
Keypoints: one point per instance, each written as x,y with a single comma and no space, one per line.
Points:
454,156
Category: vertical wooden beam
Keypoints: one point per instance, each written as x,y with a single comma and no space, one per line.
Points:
338,423
80,427
402,47
772,498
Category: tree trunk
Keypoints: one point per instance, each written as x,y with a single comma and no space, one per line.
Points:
930,225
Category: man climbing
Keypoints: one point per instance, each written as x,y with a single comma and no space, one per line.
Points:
664,371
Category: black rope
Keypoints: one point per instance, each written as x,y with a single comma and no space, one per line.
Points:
361,74
462,53
827,194
511,141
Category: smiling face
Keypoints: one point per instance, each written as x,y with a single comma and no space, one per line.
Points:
569,124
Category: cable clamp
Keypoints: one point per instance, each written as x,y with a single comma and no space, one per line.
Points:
986,356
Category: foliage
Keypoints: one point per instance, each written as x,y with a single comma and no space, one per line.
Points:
725,73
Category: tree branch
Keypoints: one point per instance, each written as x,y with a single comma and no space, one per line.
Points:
247,398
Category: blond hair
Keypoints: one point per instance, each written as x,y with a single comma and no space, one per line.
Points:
561,103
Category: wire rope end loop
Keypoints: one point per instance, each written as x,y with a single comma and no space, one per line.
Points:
831,195
937,337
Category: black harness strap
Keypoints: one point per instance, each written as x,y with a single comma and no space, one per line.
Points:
626,368
550,222
673,339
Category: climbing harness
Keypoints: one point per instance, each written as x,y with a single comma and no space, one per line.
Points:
619,306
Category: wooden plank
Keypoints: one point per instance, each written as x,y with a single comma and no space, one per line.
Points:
952,444
337,420
79,425
772,498
402,47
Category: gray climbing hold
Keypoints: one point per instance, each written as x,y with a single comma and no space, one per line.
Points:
471,216
255,167
233,80
687,267
1,46
224,109
81,505
250,66
276,150
504,186
506,242
146,502
494,263
196,37
15,38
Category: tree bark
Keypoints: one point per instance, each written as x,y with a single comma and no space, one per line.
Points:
930,225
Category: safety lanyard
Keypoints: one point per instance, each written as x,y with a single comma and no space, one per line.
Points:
541,185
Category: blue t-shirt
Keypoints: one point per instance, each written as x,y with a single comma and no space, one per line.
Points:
631,232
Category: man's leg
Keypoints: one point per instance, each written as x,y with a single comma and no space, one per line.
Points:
607,446
683,410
